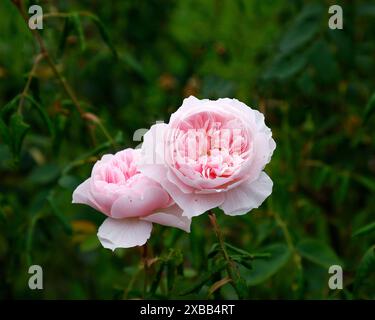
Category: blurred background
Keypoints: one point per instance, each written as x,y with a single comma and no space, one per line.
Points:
115,67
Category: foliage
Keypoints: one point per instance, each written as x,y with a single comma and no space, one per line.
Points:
102,70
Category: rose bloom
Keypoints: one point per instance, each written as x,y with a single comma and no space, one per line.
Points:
211,154
131,201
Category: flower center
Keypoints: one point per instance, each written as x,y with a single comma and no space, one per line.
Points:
210,146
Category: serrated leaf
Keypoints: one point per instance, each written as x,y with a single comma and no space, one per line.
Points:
365,230
318,252
264,269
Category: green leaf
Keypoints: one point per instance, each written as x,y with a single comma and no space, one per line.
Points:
343,189
318,252
60,216
68,182
104,34
133,64
264,269
18,129
368,183
364,230
284,67
76,20
68,27
90,243
44,174
9,107
43,113
245,253
303,29
242,260
370,108
4,132
365,268
157,279
30,236
204,279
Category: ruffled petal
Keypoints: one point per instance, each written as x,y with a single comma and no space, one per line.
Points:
133,204
124,233
171,217
247,196
193,204
82,194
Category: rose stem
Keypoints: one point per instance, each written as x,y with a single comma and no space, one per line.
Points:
230,265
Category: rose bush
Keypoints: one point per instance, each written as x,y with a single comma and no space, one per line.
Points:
211,154
131,201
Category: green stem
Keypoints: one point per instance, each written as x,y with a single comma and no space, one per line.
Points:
67,88
288,238
232,271
24,92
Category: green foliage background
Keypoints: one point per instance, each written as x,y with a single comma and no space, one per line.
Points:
129,64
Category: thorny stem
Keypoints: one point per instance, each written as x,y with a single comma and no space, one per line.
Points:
44,53
232,270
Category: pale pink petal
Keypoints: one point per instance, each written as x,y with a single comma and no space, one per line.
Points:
171,217
156,172
247,196
124,233
133,204
193,204
152,150
82,194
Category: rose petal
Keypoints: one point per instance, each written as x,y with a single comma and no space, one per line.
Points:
124,233
153,145
193,204
247,196
133,204
82,194
171,217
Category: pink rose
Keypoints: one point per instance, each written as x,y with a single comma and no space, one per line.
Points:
131,201
211,154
